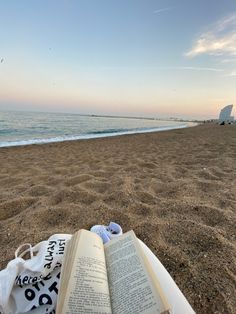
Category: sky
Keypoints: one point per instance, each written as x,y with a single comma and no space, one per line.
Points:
169,58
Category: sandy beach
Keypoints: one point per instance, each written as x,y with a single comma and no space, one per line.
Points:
175,189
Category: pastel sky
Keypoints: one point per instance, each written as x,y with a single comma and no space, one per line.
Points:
127,57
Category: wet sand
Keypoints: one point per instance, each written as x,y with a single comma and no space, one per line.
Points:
175,189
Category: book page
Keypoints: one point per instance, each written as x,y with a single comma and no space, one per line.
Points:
86,278
132,289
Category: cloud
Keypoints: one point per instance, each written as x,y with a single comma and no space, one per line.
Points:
162,10
232,74
219,40
164,68
197,69
230,60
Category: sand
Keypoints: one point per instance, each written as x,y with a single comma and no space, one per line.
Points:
175,189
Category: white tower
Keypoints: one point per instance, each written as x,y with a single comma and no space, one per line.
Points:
225,114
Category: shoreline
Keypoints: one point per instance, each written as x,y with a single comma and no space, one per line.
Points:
176,189
92,136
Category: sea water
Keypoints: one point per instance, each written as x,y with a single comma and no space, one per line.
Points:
23,128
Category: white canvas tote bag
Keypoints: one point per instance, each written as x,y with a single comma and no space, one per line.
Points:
32,284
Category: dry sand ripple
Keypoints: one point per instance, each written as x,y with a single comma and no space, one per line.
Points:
176,189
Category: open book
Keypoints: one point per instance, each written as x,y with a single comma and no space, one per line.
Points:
111,278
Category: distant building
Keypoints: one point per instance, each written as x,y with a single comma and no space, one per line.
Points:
225,114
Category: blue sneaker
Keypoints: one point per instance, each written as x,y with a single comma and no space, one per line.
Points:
107,233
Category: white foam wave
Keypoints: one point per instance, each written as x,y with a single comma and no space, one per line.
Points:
87,136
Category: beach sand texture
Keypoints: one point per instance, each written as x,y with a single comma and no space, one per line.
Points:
175,189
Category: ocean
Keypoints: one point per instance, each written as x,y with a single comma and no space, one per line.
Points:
24,128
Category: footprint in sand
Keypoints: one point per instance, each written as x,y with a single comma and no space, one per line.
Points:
11,208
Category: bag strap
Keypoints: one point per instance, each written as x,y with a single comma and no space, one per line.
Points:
20,252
